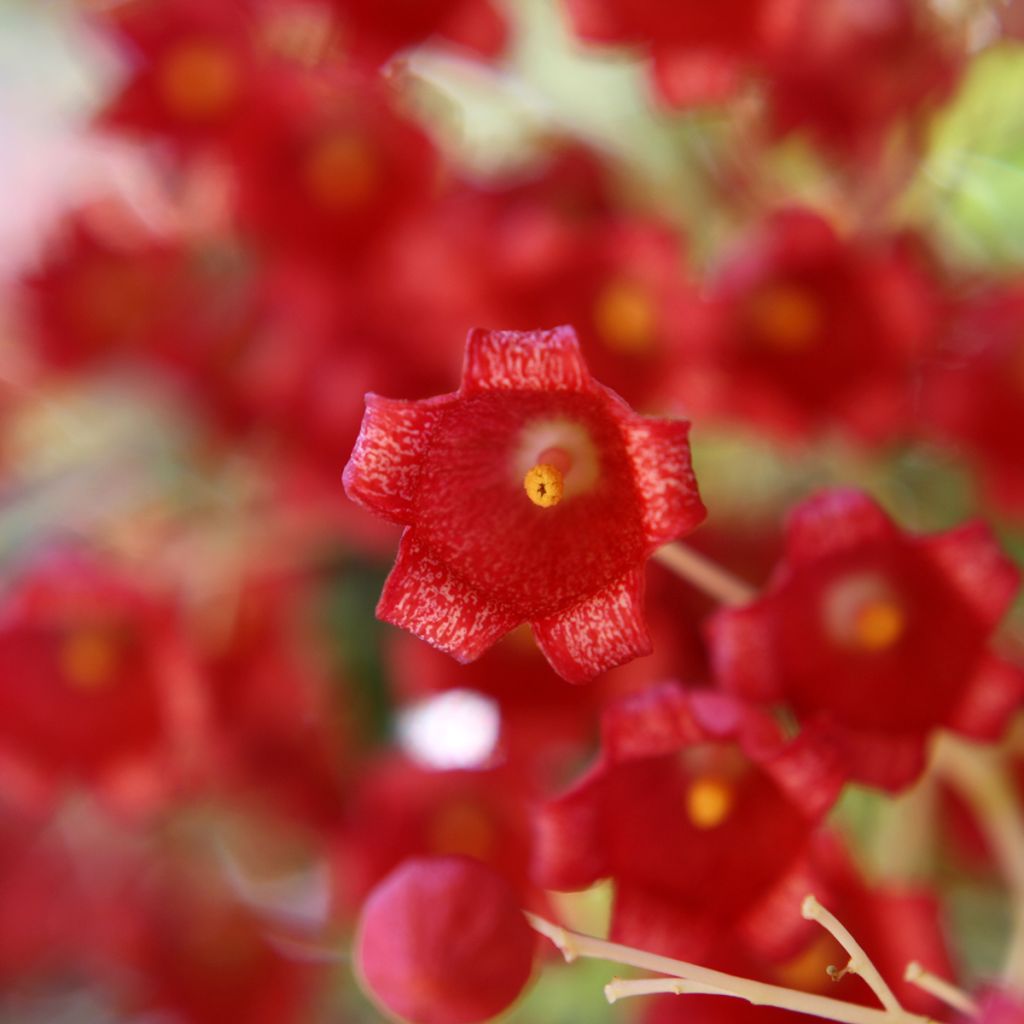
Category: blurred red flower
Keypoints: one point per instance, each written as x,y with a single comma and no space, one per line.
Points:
876,637
702,816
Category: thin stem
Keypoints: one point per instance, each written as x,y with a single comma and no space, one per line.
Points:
619,988
978,774
859,961
940,988
705,575
573,945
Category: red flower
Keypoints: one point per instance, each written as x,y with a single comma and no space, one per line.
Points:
192,69
894,924
187,947
701,52
974,398
847,73
811,329
418,812
876,637
701,816
100,298
98,686
442,941
378,29
329,166
604,488
279,739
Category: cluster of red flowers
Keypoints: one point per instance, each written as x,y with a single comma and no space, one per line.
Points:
214,781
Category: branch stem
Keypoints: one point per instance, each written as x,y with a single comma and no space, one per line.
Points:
940,988
859,961
978,774
705,574
706,980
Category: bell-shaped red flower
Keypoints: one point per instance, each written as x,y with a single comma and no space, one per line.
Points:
810,329
532,494
99,685
702,816
847,75
192,69
442,941
875,636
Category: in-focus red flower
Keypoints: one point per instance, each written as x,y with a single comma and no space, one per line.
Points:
810,329
702,816
875,636
442,940
532,494
973,398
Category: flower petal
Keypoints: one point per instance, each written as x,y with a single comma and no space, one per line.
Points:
742,650
774,927
889,761
660,453
424,597
808,771
524,361
383,471
995,692
604,630
833,521
976,566
569,851
651,919
661,719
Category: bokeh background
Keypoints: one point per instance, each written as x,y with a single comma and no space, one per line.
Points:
209,748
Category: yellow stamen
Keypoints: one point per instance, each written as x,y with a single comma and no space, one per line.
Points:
198,81
785,317
878,625
708,802
341,172
625,317
89,657
544,485
463,828
808,970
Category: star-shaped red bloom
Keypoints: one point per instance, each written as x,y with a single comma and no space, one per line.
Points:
875,636
532,494
702,816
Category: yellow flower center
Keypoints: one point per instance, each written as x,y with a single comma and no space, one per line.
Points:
808,970
878,624
89,657
341,172
785,317
625,317
198,81
544,485
709,802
